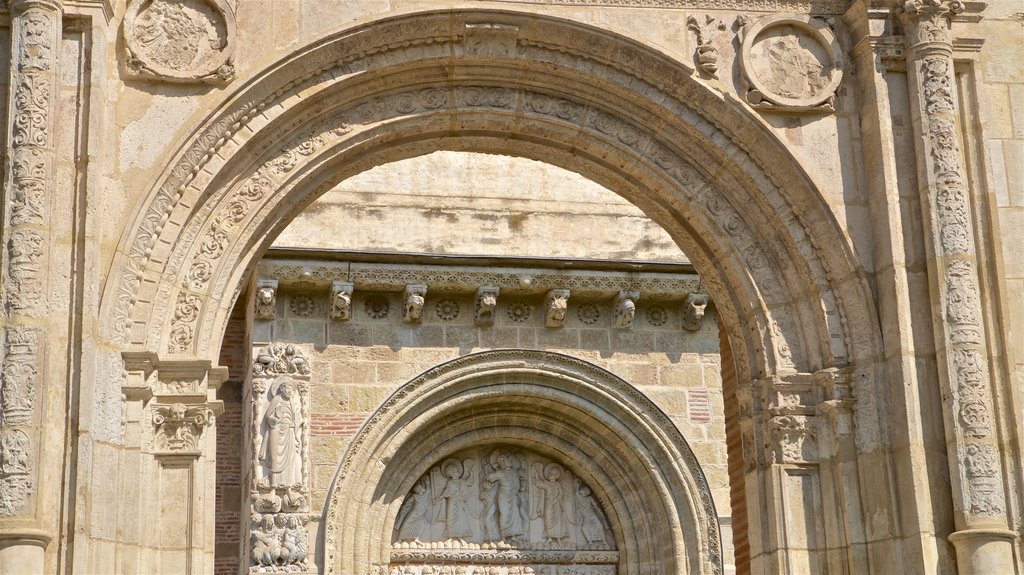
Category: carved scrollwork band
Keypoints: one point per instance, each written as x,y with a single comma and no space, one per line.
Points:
35,27
965,374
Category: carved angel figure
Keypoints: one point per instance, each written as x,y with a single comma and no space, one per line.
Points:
414,516
503,516
281,428
551,501
454,498
589,517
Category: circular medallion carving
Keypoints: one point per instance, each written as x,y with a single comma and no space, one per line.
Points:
791,61
589,313
180,40
447,309
519,311
657,315
377,307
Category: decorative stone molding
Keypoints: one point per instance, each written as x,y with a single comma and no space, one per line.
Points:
706,29
414,297
497,40
189,41
792,63
341,301
486,303
179,428
555,305
625,309
266,299
693,310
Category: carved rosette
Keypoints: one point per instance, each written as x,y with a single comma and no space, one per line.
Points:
792,63
978,489
190,41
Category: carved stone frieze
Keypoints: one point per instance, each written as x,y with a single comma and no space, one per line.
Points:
693,310
486,303
791,63
705,30
266,299
179,41
414,298
491,40
278,542
963,308
500,499
341,301
15,471
625,309
974,408
179,427
556,304
984,481
280,359
186,314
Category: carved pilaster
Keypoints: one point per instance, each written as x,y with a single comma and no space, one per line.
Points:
979,501
35,34
278,420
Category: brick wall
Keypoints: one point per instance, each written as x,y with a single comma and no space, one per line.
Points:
228,518
737,485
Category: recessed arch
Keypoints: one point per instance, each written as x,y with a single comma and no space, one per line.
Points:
588,100
599,426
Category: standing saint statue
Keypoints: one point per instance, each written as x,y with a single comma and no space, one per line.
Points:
550,504
503,517
281,429
454,498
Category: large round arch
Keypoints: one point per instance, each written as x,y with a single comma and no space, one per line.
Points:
608,433
697,162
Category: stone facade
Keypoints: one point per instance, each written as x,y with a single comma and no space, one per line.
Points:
845,176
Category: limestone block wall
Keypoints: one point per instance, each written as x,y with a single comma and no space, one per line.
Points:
357,364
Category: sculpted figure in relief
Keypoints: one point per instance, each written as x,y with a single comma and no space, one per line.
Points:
454,498
414,517
589,516
550,503
500,491
281,430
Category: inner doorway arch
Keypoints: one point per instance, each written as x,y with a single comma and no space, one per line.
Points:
566,410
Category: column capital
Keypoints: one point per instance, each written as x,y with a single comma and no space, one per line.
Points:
25,5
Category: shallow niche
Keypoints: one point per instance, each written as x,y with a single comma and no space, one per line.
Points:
501,511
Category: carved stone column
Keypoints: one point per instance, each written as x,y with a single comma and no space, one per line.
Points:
277,481
26,484
171,411
982,541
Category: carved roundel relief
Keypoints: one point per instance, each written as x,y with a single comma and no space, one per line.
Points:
791,61
180,40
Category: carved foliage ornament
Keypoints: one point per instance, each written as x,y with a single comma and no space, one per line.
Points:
180,40
19,375
791,62
15,471
179,427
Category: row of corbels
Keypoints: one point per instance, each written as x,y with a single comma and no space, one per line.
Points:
556,304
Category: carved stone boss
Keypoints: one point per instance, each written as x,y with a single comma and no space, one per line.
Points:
278,421
960,336
35,29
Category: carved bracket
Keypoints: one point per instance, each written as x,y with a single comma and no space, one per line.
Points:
790,63
555,306
486,302
414,298
706,29
266,299
693,310
185,41
341,301
625,309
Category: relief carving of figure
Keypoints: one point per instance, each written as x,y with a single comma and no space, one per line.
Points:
281,430
793,70
500,491
590,518
414,516
266,544
458,478
550,502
